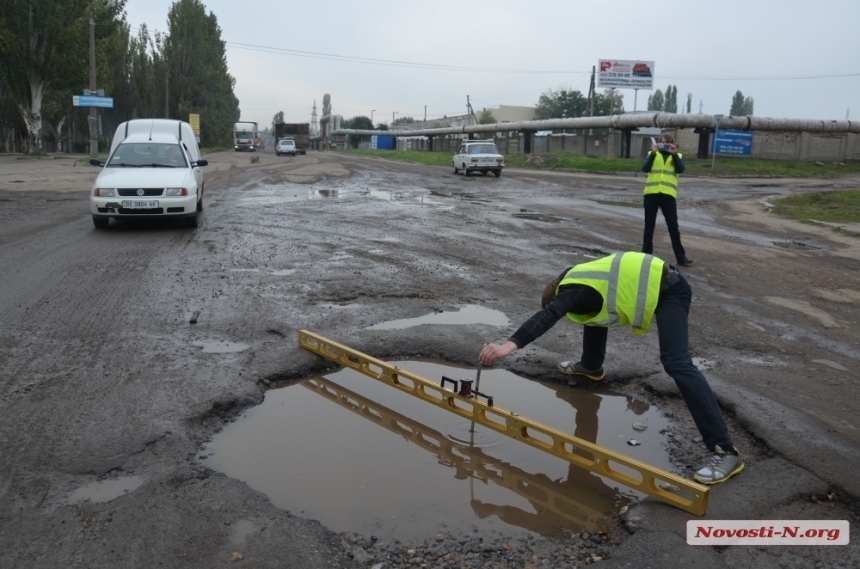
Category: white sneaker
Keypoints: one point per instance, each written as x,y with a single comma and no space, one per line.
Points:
721,467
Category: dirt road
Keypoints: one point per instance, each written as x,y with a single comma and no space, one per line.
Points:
102,376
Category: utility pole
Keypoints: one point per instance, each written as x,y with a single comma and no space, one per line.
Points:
166,92
425,113
371,116
94,117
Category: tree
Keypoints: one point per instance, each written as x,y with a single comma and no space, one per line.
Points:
198,79
278,119
611,102
360,122
561,104
487,117
689,103
44,48
741,106
670,104
403,120
326,108
656,101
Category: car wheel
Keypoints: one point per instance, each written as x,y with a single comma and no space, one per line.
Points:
101,222
497,173
456,170
192,221
465,171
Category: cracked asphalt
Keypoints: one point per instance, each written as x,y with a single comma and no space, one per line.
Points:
103,377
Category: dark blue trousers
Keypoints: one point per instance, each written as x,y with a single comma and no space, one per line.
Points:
671,316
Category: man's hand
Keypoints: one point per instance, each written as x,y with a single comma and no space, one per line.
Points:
492,352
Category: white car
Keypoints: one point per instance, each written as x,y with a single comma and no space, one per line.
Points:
478,156
286,146
152,171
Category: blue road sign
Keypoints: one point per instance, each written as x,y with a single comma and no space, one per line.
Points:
733,142
90,101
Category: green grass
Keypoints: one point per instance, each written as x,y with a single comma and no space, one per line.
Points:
731,166
841,206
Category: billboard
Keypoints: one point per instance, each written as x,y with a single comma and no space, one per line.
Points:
625,74
733,142
194,121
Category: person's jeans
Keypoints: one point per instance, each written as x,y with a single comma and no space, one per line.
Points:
669,206
671,315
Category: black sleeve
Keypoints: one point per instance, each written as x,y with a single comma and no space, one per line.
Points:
577,299
680,167
649,162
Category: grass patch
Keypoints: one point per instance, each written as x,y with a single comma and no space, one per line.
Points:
728,166
412,156
841,206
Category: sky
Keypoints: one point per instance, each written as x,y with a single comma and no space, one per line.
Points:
396,58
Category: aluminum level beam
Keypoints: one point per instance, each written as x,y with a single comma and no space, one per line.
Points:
655,482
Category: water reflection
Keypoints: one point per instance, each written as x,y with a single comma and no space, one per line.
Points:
426,468
559,507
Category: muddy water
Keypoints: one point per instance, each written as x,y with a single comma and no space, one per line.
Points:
358,455
469,314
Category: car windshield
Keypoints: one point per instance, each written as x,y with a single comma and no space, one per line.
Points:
483,149
148,155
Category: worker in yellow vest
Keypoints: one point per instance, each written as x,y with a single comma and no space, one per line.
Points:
663,164
632,289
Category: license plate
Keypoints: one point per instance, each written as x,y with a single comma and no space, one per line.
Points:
140,204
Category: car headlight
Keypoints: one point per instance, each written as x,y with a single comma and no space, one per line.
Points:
104,192
176,191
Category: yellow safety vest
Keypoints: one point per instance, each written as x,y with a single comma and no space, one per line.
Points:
662,178
629,284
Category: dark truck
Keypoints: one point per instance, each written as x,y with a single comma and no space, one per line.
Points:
299,132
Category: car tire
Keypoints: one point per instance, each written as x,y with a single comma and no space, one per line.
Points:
497,173
101,222
456,170
465,171
193,221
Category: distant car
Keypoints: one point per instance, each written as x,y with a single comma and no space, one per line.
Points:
286,146
152,171
478,156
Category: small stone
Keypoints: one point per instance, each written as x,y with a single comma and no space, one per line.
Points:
237,556
639,427
633,443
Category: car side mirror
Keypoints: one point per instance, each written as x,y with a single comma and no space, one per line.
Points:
96,162
201,163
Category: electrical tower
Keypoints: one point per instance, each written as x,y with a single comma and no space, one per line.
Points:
314,125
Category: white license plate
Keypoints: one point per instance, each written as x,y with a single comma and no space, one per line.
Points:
140,204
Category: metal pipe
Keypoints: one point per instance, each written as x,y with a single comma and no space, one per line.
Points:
637,120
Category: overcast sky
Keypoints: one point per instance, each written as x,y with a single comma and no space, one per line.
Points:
795,59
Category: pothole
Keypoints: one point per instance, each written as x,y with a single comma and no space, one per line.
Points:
539,217
105,490
799,245
470,314
361,456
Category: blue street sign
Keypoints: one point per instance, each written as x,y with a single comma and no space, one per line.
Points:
90,101
733,142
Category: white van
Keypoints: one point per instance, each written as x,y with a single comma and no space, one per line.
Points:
152,171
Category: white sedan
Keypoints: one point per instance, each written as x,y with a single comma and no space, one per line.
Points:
478,156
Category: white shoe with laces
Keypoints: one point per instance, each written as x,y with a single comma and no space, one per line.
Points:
722,466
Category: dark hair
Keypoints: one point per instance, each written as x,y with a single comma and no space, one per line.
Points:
668,138
549,292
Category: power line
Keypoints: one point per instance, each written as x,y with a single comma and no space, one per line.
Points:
444,67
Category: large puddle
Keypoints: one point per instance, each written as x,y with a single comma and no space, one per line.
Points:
361,456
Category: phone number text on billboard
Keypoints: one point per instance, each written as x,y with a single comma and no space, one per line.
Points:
625,74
